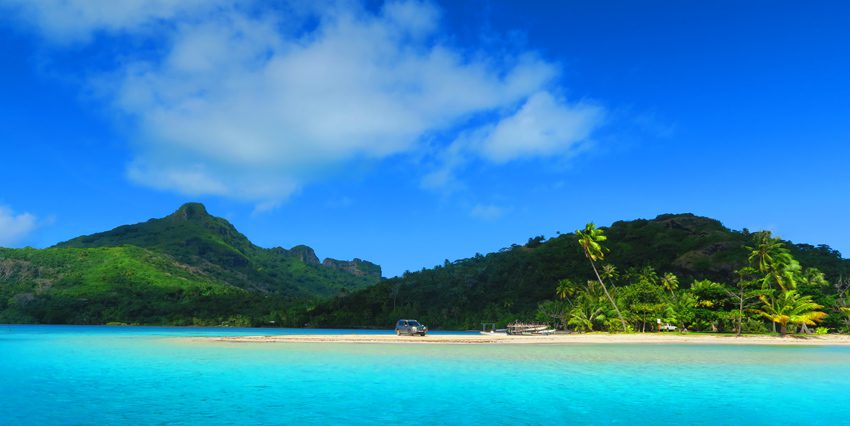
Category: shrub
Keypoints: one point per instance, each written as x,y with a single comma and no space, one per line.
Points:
754,326
615,326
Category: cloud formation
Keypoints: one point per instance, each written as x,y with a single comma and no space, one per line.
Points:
69,21
253,104
15,227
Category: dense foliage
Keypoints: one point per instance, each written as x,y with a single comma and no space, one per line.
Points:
211,244
189,268
120,284
687,270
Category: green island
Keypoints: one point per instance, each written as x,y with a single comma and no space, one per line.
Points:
192,268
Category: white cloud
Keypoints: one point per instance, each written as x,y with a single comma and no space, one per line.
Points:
65,21
417,18
543,126
240,104
15,227
487,212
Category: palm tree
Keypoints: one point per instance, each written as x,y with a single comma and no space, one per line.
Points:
670,282
680,310
790,307
565,290
591,242
772,259
609,272
583,316
810,279
765,250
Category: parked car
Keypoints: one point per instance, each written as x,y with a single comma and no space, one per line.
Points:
410,327
668,327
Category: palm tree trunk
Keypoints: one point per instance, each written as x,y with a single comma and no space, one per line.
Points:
610,299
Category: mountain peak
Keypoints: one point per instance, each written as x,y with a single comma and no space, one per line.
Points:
190,211
213,246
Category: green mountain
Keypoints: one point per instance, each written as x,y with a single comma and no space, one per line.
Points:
100,285
213,246
510,284
187,268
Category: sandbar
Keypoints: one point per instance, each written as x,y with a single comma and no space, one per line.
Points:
502,339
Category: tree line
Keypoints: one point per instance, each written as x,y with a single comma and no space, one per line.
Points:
687,270
771,292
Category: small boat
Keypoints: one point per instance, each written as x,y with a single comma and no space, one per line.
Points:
528,329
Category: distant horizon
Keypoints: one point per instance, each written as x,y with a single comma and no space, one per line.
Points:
409,132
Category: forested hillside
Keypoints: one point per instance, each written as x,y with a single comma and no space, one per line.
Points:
515,282
187,268
193,268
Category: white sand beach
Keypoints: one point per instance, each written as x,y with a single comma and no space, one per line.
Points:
593,338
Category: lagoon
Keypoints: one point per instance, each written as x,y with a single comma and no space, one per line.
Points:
155,375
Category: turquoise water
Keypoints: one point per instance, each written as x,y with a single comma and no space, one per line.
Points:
149,375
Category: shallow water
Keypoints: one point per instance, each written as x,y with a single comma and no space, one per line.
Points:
151,375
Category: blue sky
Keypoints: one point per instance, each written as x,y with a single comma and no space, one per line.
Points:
407,133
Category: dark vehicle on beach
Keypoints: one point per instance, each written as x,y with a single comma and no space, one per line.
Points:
410,327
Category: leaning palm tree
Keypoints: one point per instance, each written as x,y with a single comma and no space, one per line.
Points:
790,307
591,242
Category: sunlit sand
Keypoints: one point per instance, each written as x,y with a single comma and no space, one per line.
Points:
554,339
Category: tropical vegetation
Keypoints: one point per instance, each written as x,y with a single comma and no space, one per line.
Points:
686,271
189,268
192,268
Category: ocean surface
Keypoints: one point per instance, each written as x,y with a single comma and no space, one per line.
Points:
79,375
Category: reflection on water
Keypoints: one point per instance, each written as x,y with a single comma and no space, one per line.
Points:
113,375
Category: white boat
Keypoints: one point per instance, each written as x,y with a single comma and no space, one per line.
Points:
527,329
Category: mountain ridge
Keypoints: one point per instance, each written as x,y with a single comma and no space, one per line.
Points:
193,236
187,268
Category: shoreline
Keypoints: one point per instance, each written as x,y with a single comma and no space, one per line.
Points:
497,339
